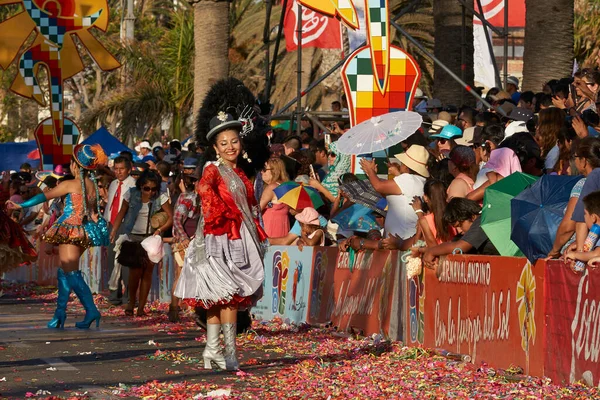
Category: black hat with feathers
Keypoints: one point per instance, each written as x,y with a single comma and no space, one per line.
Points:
231,96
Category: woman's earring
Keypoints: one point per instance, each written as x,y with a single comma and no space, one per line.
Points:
246,157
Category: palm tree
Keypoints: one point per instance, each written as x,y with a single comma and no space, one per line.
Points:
161,87
211,37
548,42
449,42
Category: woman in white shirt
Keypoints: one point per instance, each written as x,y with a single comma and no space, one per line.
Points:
140,204
401,219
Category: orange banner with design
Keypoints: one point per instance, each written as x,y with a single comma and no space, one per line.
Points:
489,308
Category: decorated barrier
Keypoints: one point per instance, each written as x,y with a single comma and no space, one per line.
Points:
94,266
489,308
572,324
317,286
499,310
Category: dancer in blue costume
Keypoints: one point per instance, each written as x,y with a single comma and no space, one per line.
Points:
80,227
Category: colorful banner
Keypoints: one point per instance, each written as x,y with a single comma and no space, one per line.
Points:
286,285
490,308
493,10
572,324
317,30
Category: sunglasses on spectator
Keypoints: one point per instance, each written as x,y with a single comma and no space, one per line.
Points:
100,186
331,154
267,169
150,189
442,141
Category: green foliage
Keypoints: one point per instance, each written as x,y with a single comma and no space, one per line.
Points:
6,135
160,82
587,31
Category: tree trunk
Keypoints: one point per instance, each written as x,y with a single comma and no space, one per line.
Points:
211,37
332,88
548,42
449,44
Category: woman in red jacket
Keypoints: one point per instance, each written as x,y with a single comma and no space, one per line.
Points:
224,267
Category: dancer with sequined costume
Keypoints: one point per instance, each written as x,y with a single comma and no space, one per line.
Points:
79,228
224,267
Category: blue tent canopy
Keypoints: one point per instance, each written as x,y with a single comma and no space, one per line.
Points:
12,155
109,143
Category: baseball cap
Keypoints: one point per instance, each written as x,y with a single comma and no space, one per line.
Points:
437,126
513,80
520,114
434,103
448,132
445,116
170,158
515,127
471,136
190,163
419,94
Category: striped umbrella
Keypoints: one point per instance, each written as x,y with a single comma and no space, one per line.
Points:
298,196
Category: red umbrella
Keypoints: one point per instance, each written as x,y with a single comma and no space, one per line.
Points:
34,155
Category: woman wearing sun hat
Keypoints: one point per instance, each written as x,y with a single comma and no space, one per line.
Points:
401,218
79,228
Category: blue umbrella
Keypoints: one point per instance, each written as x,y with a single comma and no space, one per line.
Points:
356,218
537,212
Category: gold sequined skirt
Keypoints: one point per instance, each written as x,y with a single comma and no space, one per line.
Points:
61,233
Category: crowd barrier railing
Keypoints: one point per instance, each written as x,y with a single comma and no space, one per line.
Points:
503,311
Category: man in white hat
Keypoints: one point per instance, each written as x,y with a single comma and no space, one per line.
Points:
512,87
401,219
420,102
146,152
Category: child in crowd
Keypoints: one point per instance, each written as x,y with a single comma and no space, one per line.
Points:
431,214
462,214
312,233
591,214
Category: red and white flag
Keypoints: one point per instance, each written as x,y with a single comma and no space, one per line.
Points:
317,30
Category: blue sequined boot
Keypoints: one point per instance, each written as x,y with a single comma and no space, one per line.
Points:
64,290
83,292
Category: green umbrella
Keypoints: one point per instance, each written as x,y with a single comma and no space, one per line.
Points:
495,215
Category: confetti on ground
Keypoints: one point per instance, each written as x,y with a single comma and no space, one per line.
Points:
302,362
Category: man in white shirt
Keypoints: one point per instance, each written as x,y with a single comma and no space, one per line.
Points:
116,192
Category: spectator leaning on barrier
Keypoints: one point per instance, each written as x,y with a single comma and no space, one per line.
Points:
400,191
592,216
295,233
462,214
592,184
430,213
585,161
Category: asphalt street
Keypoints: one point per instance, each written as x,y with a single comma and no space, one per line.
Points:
97,363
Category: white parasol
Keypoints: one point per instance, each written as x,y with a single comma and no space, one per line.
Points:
379,133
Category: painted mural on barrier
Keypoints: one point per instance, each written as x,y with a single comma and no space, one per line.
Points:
286,285
572,324
484,307
416,309
363,292
321,288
